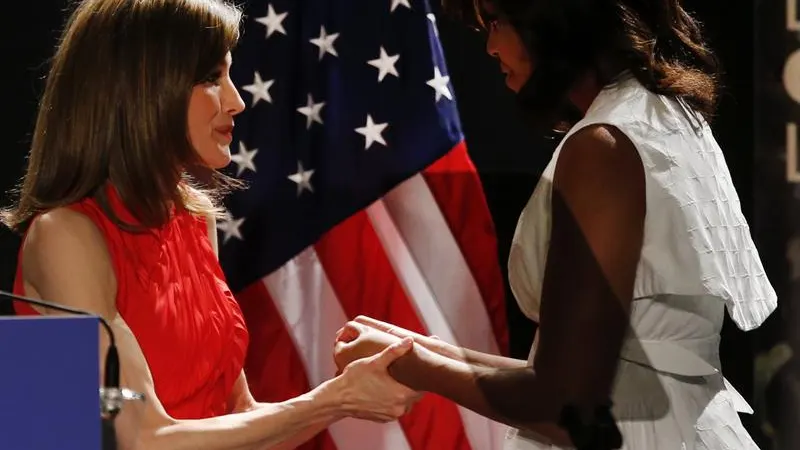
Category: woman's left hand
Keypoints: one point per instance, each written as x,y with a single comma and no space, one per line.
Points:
355,341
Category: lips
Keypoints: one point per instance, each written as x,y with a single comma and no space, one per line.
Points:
226,133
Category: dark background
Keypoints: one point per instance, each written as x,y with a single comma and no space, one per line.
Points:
509,158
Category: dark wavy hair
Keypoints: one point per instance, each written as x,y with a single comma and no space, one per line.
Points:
657,41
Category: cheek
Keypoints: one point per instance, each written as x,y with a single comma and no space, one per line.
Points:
203,108
519,55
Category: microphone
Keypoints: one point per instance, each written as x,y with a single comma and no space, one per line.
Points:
112,396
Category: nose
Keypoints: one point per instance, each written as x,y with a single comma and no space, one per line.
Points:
232,101
491,43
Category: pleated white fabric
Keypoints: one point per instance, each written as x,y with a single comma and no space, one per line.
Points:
698,259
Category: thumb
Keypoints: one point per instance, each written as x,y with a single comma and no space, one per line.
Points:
394,351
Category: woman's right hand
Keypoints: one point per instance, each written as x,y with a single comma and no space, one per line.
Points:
369,392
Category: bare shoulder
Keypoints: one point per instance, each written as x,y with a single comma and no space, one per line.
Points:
600,161
63,229
602,148
65,259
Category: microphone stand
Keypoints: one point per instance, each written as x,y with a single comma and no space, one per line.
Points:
112,397
600,432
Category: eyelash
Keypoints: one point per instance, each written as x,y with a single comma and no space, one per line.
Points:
213,78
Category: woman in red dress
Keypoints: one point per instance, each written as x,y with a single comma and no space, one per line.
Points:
138,103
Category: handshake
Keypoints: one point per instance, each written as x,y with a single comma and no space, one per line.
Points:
376,367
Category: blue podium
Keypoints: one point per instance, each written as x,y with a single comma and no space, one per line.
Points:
49,381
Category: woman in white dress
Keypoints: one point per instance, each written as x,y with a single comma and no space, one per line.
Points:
631,247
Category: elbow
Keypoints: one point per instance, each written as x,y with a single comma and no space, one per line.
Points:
150,440
140,443
142,440
147,437
575,423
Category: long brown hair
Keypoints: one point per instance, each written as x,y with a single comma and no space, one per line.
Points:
658,41
114,110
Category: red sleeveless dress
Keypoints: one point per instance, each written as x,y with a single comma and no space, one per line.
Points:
172,294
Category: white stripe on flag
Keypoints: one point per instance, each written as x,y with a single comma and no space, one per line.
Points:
420,222
312,314
483,433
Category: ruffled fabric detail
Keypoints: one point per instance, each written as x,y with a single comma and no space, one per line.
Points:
172,293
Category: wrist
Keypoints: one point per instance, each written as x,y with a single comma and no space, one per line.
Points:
413,368
448,350
331,397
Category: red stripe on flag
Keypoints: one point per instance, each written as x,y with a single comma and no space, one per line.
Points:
273,367
458,191
365,283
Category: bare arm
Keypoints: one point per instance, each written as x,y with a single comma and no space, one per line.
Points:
441,347
65,260
245,402
598,210
487,360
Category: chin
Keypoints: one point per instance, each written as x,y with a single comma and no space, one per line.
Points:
513,84
221,164
220,159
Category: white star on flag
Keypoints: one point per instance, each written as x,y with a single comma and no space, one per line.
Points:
439,84
372,132
273,22
302,178
311,111
230,227
325,42
385,64
396,3
259,89
244,159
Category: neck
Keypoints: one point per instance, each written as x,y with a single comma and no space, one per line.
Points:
585,91
588,86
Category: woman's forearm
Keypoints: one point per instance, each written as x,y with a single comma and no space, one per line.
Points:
512,396
300,438
295,441
437,345
243,401
269,426
488,360
467,355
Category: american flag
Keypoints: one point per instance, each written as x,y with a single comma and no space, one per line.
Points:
361,200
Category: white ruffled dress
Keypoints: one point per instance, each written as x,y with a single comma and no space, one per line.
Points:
698,259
